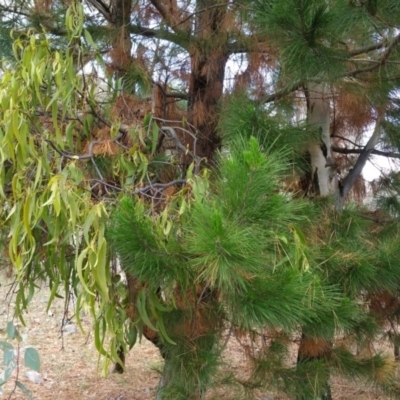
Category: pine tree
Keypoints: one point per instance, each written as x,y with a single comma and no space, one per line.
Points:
320,51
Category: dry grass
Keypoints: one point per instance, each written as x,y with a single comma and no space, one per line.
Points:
69,364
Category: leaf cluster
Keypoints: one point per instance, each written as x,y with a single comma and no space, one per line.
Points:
11,359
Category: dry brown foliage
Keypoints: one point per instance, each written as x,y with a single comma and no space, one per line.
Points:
199,113
352,112
130,110
383,305
175,14
121,59
314,348
43,6
199,318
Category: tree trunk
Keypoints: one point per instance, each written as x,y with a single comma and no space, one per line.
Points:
205,92
120,14
208,59
323,181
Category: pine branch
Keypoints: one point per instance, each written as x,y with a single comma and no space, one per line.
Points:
281,93
369,48
179,39
381,61
345,150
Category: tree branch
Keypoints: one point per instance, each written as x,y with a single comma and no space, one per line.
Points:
381,61
172,133
160,7
102,8
5,9
179,39
204,10
367,49
281,93
355,172
134,29
75,156
345,150
169,17
176,95
347,140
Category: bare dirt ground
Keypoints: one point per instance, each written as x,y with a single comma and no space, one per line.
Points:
70,371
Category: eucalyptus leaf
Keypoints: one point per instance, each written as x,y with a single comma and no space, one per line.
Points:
32,359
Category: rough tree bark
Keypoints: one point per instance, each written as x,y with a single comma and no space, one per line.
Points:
208,55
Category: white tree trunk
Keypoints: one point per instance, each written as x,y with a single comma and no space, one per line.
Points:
323,171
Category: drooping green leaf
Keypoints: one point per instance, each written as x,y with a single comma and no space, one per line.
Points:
24,389
32,359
